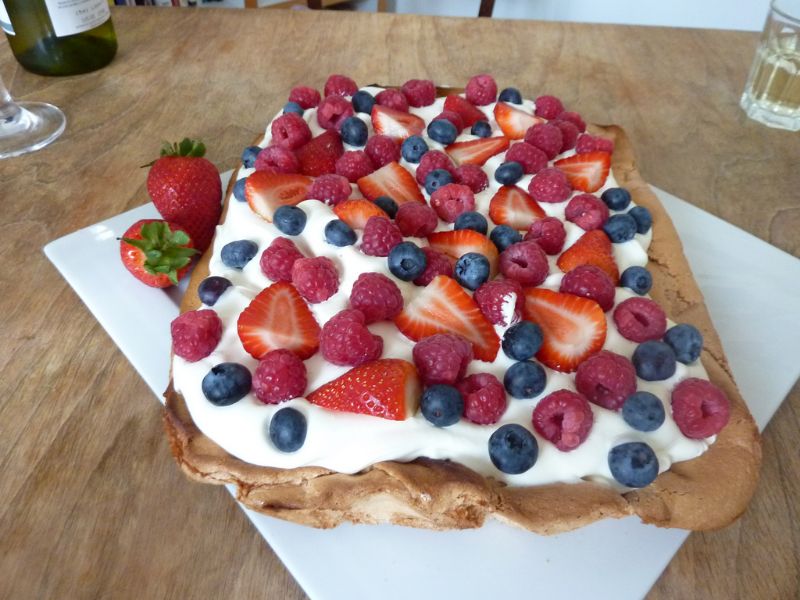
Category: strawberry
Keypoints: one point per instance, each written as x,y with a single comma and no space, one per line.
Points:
391,180
514,207
278,318
186,189
318,157
513,121
387,388
396,124
469,114
476,152
444,307
356,212
586,172
156,252
457,243
265,191
592,248
574,327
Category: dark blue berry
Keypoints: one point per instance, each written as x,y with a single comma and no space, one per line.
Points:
643,411
482,129
388,205
339,233
509,173
504,236
472,270
620,228
237,254
513,449
211,288
616,198
510,94
472,220
638,279
442,131
291,220
287,429
686,341
407,261
436,179
413,148
226,383
354,131
522,340
643,218
525,379
249,155
363,102
293,107
633,464
238,189
442,405
654,361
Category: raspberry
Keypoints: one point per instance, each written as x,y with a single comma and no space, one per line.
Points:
564,418
591,143
481,90
700,408
587,211
416,219
354,165
380,236
549,185
392,99
591,282
546,137
473,177
315,278
340,85
524,262
333,111
290,131
437,264
484,397
607,379
549,233
569,134
195,334
548,107
492,296
277,159
530,157
451,200
453,117
432,160
345,340
442,358
573,118
377,297
330,189
279,376
382,150
306,97
279,258
640,320
419,92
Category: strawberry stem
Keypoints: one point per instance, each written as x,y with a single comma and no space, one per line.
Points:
164,250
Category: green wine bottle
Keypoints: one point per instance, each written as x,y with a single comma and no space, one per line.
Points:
59,37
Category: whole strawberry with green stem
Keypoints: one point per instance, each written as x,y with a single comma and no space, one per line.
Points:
156,252
186,189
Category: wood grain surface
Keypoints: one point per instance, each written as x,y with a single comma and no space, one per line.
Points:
93,504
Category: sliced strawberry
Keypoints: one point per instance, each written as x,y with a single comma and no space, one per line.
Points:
357,211
318,157
457,243
592,248
396,124
391,180
466,110
444,307
388,388
266,191
586,172
514,207
477,152
574,327
513,121
278,318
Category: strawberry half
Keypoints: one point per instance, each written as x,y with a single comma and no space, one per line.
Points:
278,318
514,207
318,157
444,307
477,152
467,111
513,121
391,180
457,243
396,124
586,172
266,191
574,327
357,211
592,248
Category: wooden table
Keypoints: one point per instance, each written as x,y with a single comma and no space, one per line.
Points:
93,505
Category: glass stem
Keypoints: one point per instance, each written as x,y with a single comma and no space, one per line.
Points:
8,108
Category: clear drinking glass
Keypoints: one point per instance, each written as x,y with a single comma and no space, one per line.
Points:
772,93
27,126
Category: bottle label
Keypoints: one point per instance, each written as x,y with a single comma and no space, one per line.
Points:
5,21
76,16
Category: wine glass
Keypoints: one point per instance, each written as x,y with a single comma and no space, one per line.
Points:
27,126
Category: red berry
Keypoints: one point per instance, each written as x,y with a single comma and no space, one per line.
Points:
290,131
452,116
573,118
492,296
591,282
431,160
451,200
195,334
306,97
640,320
484,397
481,90
340,85
333,111
279,258
380,236
416,219
377,297
437,264
277,159
345,340
382,150
700,408
569,134
607,379
550,185
279,376
419,92
315,278
564,418
587,211
442,358
330,189
546,137
548,107
354,165
524,262
473,177
530,157
590,143
549,233
394,99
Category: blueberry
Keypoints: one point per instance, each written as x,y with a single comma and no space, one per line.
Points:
249,155
643,218
525,379
522,340
287,429
509,173
226,383
513,449
291,220
643,411
472,220
407,261
686,341
638,279
388,205
442,131
293,107
238,189
363,102
482,129
442,405
633,464
504,236
237,254
620,228
339,233
211,288
436,179
472,270
654,361
616,198
354,131
413,148
510,94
